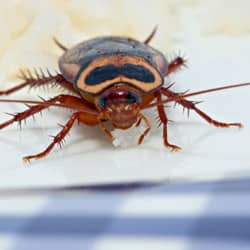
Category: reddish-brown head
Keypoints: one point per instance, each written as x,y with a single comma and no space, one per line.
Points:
121,106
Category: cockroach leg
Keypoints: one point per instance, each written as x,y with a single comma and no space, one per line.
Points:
38,79
138,123
106,131
151,35
60,45
192,106
14,89
148,125
71,102
164,120
58,139
176,64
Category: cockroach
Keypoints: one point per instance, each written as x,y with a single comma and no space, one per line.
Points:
111,79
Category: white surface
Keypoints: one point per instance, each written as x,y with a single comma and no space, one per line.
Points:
89,157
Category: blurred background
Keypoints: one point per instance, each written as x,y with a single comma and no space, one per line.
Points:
27,27
196,199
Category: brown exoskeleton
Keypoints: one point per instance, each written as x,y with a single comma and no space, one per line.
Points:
111,79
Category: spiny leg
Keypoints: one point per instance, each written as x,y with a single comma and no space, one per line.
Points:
58,139
176,64
148,127
71,101
192,106
14,89
151,35
60,45
38,79
164,120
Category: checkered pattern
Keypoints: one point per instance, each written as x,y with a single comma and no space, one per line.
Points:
193,216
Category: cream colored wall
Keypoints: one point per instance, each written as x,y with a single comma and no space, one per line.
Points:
27,26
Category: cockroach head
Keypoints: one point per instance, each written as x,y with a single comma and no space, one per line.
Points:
121,106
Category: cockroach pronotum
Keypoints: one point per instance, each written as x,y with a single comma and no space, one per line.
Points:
110,79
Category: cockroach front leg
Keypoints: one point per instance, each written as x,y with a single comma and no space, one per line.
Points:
106,130
164,121
58,139
148,127
192,106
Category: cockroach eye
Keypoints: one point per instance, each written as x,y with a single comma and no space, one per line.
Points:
132,98
102,103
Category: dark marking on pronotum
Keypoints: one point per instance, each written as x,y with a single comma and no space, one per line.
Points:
137,72
101,74
109,72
